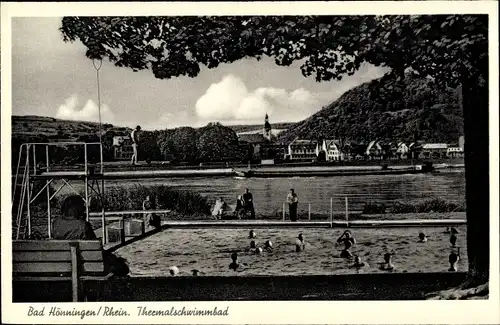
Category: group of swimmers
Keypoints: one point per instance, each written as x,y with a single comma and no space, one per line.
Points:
348,240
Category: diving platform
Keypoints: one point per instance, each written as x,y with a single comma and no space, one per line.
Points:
133,174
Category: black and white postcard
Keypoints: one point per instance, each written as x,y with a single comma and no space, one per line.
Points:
275,162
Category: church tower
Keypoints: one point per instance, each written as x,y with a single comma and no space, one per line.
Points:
267,129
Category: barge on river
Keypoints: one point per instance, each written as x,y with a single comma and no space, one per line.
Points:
419,169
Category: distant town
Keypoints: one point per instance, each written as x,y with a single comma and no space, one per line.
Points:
264,145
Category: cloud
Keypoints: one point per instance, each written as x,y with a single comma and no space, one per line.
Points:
70,110
230,100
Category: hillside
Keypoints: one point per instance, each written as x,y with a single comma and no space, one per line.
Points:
386,109
56,129
52,128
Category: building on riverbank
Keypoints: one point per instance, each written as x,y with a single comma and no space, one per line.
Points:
260,143
331,149
434,150
374,150
303,150
122,148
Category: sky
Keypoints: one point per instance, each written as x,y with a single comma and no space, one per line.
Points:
53,78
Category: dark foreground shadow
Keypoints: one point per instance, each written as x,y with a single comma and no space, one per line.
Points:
395,286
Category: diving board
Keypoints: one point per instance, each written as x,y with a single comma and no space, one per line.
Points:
134,174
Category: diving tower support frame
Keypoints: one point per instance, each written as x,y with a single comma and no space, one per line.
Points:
32,168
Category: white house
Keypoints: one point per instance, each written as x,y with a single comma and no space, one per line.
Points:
303,150
434,150
402,150
454,152
374,150
332,150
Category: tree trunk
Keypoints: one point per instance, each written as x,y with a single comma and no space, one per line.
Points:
475,106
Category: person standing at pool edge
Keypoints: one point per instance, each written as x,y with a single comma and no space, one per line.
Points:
293,202
135,144
248,202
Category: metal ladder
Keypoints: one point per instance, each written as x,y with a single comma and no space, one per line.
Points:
21,193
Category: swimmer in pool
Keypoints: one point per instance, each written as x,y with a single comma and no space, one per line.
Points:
346,253
453,236
258,250
251,234
234,264
174,270
358,264
453,239
387,265
268,245
453,259
299,243
347,238
422,238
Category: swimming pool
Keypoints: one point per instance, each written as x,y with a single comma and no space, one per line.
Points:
209,251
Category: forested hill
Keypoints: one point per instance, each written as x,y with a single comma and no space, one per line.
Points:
386,109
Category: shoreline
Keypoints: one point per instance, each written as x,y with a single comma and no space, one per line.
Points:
140,172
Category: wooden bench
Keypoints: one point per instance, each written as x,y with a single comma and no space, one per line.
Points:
59,260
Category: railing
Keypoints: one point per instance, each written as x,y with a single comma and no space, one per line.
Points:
32,168
120,218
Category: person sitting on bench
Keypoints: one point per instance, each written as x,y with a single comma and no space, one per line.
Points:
71,225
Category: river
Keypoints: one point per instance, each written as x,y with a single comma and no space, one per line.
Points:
270,193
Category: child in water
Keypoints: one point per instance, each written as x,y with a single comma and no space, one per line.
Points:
347,238
346,253
387,265
453,259
268,245
299,243
422,238
234,264
358,264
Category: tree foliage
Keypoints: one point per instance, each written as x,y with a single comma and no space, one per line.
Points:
446,47
217,143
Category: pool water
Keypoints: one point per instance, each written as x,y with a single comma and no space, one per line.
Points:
209,251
